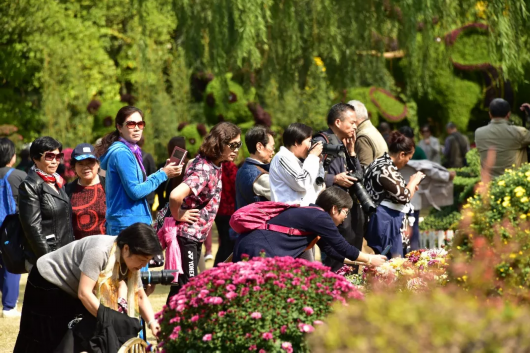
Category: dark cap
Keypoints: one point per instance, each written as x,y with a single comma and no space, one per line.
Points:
84,151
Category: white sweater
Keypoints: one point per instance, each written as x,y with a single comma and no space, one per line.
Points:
292,181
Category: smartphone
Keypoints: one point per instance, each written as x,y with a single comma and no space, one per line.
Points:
178,156
387,249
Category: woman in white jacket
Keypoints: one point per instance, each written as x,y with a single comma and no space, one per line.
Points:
293,181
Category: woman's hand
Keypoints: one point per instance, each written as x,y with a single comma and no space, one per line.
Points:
172,170
377,260
155,327
188,216
416,178
316,150
150,289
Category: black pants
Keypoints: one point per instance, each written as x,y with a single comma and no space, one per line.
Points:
46,312
352,229
190,252
226,245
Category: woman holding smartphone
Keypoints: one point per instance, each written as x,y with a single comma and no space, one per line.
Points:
194,203
126,183
45,209
392,195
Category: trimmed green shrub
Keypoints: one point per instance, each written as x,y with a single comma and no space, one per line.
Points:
437,321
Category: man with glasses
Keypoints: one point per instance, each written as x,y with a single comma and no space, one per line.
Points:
430,145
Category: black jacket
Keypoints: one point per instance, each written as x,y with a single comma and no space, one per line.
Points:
43,212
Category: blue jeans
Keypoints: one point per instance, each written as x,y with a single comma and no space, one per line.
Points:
9,285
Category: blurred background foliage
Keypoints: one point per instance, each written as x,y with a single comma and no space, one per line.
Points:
68,65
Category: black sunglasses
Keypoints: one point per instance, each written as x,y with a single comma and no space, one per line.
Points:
235,145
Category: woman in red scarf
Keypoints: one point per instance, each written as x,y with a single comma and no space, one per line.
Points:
45,209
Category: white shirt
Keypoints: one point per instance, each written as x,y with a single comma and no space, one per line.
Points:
292,181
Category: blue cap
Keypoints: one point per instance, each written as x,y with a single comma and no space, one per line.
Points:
84,151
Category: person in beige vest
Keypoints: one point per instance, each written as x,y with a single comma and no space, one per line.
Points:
508,141
370,144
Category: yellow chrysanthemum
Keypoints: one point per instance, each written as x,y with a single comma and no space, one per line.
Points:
502,183
318,61
524,199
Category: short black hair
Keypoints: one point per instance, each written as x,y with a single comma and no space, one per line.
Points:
255,135
7,151
296,133
334,196
407,131
141,238
43,144
499,108
337,112
384,127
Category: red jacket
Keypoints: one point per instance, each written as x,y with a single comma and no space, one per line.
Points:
228,195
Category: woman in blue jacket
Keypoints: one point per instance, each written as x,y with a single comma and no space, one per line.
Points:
126,183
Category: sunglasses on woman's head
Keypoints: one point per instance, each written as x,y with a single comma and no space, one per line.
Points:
132,124
50,156
235,145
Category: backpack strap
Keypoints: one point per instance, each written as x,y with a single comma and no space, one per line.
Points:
8,174
288,230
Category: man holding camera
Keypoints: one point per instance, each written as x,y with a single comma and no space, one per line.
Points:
342,122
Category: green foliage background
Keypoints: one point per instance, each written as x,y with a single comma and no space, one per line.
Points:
58,55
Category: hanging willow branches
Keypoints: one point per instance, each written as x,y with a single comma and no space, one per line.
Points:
278,38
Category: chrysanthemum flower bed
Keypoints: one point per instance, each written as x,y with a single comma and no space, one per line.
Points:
262,305
419,270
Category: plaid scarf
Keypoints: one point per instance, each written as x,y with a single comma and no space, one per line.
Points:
136,150
54,178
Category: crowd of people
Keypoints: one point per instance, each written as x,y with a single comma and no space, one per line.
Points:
86,241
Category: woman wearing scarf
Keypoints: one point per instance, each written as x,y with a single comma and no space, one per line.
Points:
83,278
392,195
126,182
44,208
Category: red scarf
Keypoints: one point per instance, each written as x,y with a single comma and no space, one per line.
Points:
54,178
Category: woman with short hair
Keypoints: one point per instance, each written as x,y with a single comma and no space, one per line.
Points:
45,209
195,202
127,184
291,180
83,278
320,220
392,195
87,193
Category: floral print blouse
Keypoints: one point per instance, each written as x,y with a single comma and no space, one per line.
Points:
383,182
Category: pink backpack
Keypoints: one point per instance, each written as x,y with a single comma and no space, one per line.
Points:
257,215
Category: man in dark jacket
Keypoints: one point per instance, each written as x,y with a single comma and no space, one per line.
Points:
252,180
342,122
456,147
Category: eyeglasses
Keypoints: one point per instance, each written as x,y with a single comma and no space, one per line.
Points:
424,131
235,145
133,124
346,211
50,156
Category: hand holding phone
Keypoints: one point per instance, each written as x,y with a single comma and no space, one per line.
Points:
178,155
